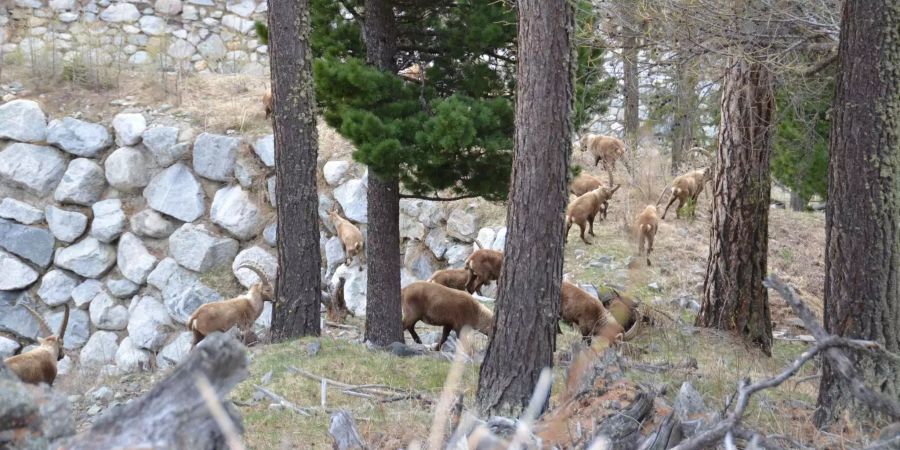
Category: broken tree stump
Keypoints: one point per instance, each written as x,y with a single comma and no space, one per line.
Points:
343,431
173,414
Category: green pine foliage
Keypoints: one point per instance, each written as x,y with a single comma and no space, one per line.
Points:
262,32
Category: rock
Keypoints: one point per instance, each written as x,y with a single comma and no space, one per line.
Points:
21,212
103,394
270,234
78,137
436,240
654,287
67,226
411,228
182,291
35,168
152,25
149,223
23,120
128,169
352,197
354,288
264,321
176,351
406,278
198,249
176,192
334,253
133,259
271,190
131,359
326,204
233,210
264,148
243,8
167,7
89,257
266,261
8,347
85,292
56,287
122,288
214,156
410,206
82,184
128,127
181,49
456,255
431,214
32,243
162,142
486,237
107,314
242,26
213,48
120,12
149,323
109,220
100,349
462,225
688,403
335,172
14,317
419,260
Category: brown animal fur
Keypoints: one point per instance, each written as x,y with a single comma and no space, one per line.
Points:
39,365
452,278
588,315
584,209
268,104
350,236
241,311
605,149
687,186
584,183
439,305
484,266
646,224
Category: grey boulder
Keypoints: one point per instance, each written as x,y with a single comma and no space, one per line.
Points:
128,169
176,192
82,184
149,323
198,249
130,358
162,142
129,127
78,137
133,259
107,313
109,220
16,274
19,211
32,243
233,210
57,286
89,257
152,224
66,225
35,168
23,120
352,197
214,156
100,349
258,257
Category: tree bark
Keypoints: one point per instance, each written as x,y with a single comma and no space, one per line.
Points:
862,264
532,263
685,107
734,297
631,88
298,294
383,316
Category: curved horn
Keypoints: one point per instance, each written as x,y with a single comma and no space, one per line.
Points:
64,324
257,270
632,332
42,324
614,189
661,194
701,151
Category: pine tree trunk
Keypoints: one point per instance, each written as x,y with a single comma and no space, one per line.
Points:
298,292
862,264
798,203
734,297
383,315
683,125
631,87
528,302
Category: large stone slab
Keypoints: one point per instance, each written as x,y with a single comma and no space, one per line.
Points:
32,243
89,257
14,317
57,286
162,142
16,274
149,323
176,192
35,168
264,147
128,169
261,258
107,313
233,210
352,197
133,259
129,127
109,220
462,224
335,172
23,120
200,250
182,291
82,184
130,358
214,156
85,292
19,211
66,225
100,349
176,351
78,137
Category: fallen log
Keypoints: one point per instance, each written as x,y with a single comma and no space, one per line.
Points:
173,414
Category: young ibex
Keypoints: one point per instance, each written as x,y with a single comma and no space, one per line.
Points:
483,266
584,183
646,224
439,305
584,209
350,236
267,103
452,278
39,365
241,311
687,187
605,149
588,315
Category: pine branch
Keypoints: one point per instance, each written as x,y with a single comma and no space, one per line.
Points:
438,199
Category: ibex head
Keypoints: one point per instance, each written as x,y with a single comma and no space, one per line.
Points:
264,288
53,342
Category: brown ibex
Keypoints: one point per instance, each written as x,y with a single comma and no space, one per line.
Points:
584,209
584,183
39,364
646,224
439,305
687,187
452,278
588,315
350,236
267,103
605,149
483,266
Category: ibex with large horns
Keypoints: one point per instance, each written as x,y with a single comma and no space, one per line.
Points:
39,365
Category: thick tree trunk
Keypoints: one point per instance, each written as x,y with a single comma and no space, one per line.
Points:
685,107
383,315
298,294
734,297
862,263
631,89
532,263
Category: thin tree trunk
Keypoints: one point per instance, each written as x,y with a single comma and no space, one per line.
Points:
528,303
734,297
685,108
631,88
798,203
862,263
298,294
383,315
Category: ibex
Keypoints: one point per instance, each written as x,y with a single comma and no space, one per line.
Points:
452,278
267,103
241,311
584,183
584,209
484,266
588,315
685,187
350,236
646,224
605,149
439,305
39,365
